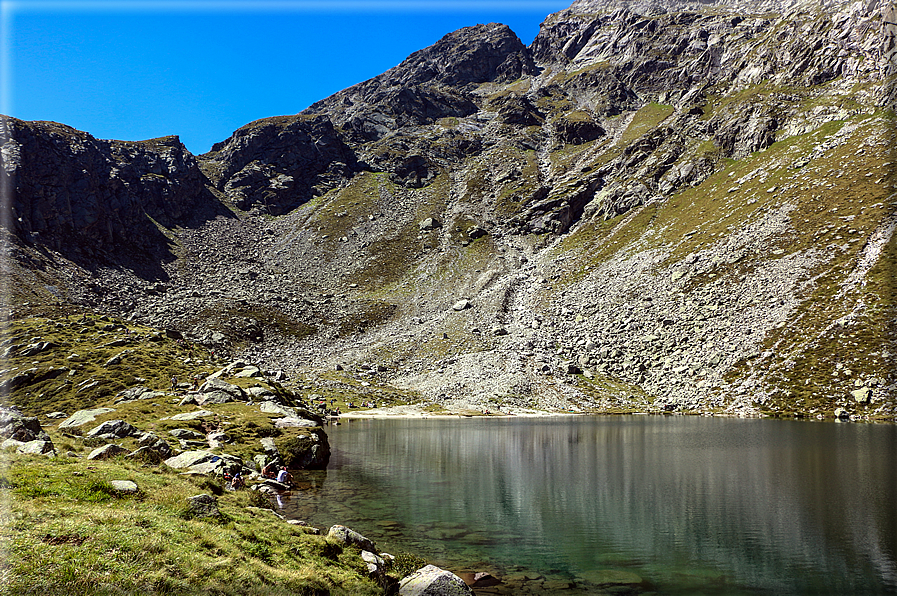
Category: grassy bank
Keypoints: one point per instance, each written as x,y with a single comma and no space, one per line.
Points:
66,530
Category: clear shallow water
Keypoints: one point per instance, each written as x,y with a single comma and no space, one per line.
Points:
566,505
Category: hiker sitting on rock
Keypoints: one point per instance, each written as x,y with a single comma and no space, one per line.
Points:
284,477
270,470
238,482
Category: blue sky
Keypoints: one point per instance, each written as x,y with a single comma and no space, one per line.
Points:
202,68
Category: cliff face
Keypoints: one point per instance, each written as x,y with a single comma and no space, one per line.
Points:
88,198
655,206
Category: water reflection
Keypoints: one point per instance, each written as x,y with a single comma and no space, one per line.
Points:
716,505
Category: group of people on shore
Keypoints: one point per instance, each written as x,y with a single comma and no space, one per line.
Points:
282,475
270,472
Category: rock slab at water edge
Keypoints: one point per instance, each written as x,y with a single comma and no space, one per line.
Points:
433,581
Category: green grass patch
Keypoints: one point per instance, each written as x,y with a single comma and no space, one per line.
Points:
65,531
645,119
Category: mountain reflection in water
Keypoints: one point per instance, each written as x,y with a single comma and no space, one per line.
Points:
721,506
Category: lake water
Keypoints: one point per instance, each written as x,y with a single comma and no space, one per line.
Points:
585,505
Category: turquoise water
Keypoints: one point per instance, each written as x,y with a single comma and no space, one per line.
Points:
581,505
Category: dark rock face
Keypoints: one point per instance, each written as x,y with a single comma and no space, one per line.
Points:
13,425
577,130
518,110
89,196
430,84
307,451
276,164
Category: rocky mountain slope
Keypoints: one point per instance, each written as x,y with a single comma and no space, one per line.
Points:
679,206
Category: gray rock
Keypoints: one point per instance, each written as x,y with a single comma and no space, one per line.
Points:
107,451
36,447
190,415
217,439
572,369
185,433
841,413
433,581
270,483
376,565
249,371
261,393
154,443
229,370
188,459
268,445
56,415
350,537
474,232
499,330
863,395
190,400
82,417
484,580
37,348
294,423
461,304
124,486
430,223
117,359
113,429
14,425
203,505
136,393
272,408
216,391
10,444
204,462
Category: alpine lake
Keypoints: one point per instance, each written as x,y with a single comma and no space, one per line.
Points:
621,504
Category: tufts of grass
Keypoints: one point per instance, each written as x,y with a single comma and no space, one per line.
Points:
60,540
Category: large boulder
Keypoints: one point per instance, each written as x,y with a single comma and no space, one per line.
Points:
190,415
863,395
36,447
269,407
216,391
433,581
112,429
306,451
13,425
82,417
153,442
107,451
204,462
350,537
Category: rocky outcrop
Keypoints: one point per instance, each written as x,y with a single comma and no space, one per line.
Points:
433,581
96,199
276,164
308,450
430,84
15,426
350,537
